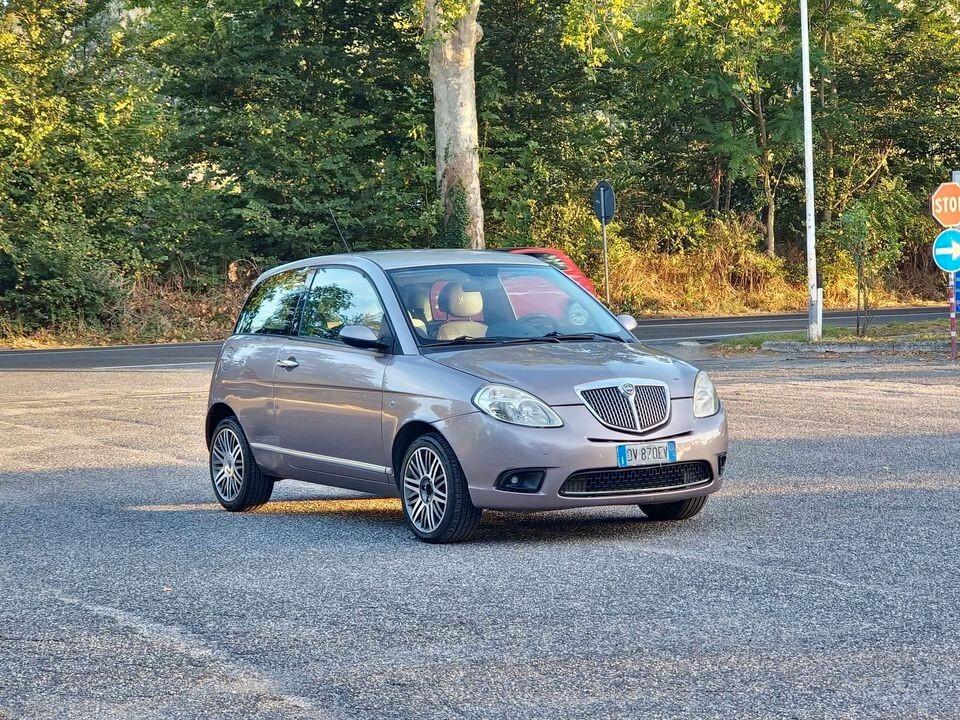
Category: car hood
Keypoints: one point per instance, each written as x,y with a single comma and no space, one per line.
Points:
552,370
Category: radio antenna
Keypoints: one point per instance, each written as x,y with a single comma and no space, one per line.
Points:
342,238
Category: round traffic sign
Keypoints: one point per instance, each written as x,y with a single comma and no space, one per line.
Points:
604,202
945,204
946,250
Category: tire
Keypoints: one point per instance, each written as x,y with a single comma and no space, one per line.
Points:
680,510
436,511
242,485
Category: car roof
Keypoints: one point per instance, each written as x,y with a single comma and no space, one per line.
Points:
396,259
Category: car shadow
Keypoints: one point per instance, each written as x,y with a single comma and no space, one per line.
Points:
348,508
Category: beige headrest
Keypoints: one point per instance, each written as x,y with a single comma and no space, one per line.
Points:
454,300
417,300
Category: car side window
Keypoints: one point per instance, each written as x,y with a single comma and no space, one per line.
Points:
552,259
340,297
271,308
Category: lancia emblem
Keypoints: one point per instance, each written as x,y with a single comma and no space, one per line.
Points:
628,389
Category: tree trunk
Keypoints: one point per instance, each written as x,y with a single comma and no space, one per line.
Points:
828,97
716,180
766,171
452,52
830,182
771,214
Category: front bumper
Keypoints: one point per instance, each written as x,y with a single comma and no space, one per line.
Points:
487,447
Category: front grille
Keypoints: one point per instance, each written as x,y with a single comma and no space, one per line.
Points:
647,408
624,481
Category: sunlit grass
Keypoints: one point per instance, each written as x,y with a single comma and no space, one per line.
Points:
924,331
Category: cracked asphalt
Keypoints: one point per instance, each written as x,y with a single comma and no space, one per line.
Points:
821,582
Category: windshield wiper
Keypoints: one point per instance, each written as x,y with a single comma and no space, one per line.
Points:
575,337
466,340
538,339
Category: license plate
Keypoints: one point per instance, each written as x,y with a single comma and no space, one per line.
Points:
654,453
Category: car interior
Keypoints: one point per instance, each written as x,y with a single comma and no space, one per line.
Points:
446,303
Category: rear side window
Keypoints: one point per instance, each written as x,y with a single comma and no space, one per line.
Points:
551,259
271,308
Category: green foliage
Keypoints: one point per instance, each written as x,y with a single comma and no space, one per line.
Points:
290,112
452,232
170,138
73,136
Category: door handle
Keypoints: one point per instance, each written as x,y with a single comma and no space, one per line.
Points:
288,364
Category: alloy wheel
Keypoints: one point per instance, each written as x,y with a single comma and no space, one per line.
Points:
226,464
425,489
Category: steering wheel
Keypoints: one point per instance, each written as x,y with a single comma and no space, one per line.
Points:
539,321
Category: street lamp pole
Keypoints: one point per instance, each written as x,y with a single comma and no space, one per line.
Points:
815,315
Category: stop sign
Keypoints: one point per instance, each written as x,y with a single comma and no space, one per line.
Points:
945,205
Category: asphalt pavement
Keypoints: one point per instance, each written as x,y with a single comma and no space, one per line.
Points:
657,330
821,582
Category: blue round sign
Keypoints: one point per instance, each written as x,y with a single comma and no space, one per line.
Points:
946,250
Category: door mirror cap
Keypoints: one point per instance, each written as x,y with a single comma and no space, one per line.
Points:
360,336
628,321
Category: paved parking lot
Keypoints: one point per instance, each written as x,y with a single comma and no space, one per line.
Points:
822,582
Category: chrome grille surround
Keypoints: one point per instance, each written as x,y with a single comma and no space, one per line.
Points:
646,408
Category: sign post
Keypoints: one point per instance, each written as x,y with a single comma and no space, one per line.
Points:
954,299
604,207
946,254
945,208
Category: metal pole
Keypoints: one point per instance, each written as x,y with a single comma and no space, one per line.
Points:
606,260
814,324
953,317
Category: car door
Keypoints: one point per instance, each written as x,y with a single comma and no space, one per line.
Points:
249,356
328,396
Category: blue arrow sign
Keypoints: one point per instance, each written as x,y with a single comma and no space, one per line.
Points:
946,250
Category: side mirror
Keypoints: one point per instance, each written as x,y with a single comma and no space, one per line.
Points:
360,336
628,321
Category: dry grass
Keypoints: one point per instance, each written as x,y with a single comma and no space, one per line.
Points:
703,282
149,313
727,275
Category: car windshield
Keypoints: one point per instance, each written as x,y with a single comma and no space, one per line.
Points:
499,303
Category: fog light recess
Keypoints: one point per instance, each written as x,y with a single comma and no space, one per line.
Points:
522,481
721,463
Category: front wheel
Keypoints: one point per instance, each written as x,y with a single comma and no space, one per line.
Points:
435,498
238,482
679,510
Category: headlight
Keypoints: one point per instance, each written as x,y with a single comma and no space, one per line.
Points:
705,400
515,406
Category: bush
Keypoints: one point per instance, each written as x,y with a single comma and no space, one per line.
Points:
723,272
55,278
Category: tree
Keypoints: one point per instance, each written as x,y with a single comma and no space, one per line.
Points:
451,33
79,121
288,112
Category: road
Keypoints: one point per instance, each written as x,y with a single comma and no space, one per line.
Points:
821,581
658,330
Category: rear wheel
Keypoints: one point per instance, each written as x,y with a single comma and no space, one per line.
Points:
680,510
238,482
434,494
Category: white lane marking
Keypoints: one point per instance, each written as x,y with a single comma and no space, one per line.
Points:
251,679
108,348
710,337
682,322
153,365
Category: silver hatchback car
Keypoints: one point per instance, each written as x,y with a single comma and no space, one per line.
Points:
458,381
